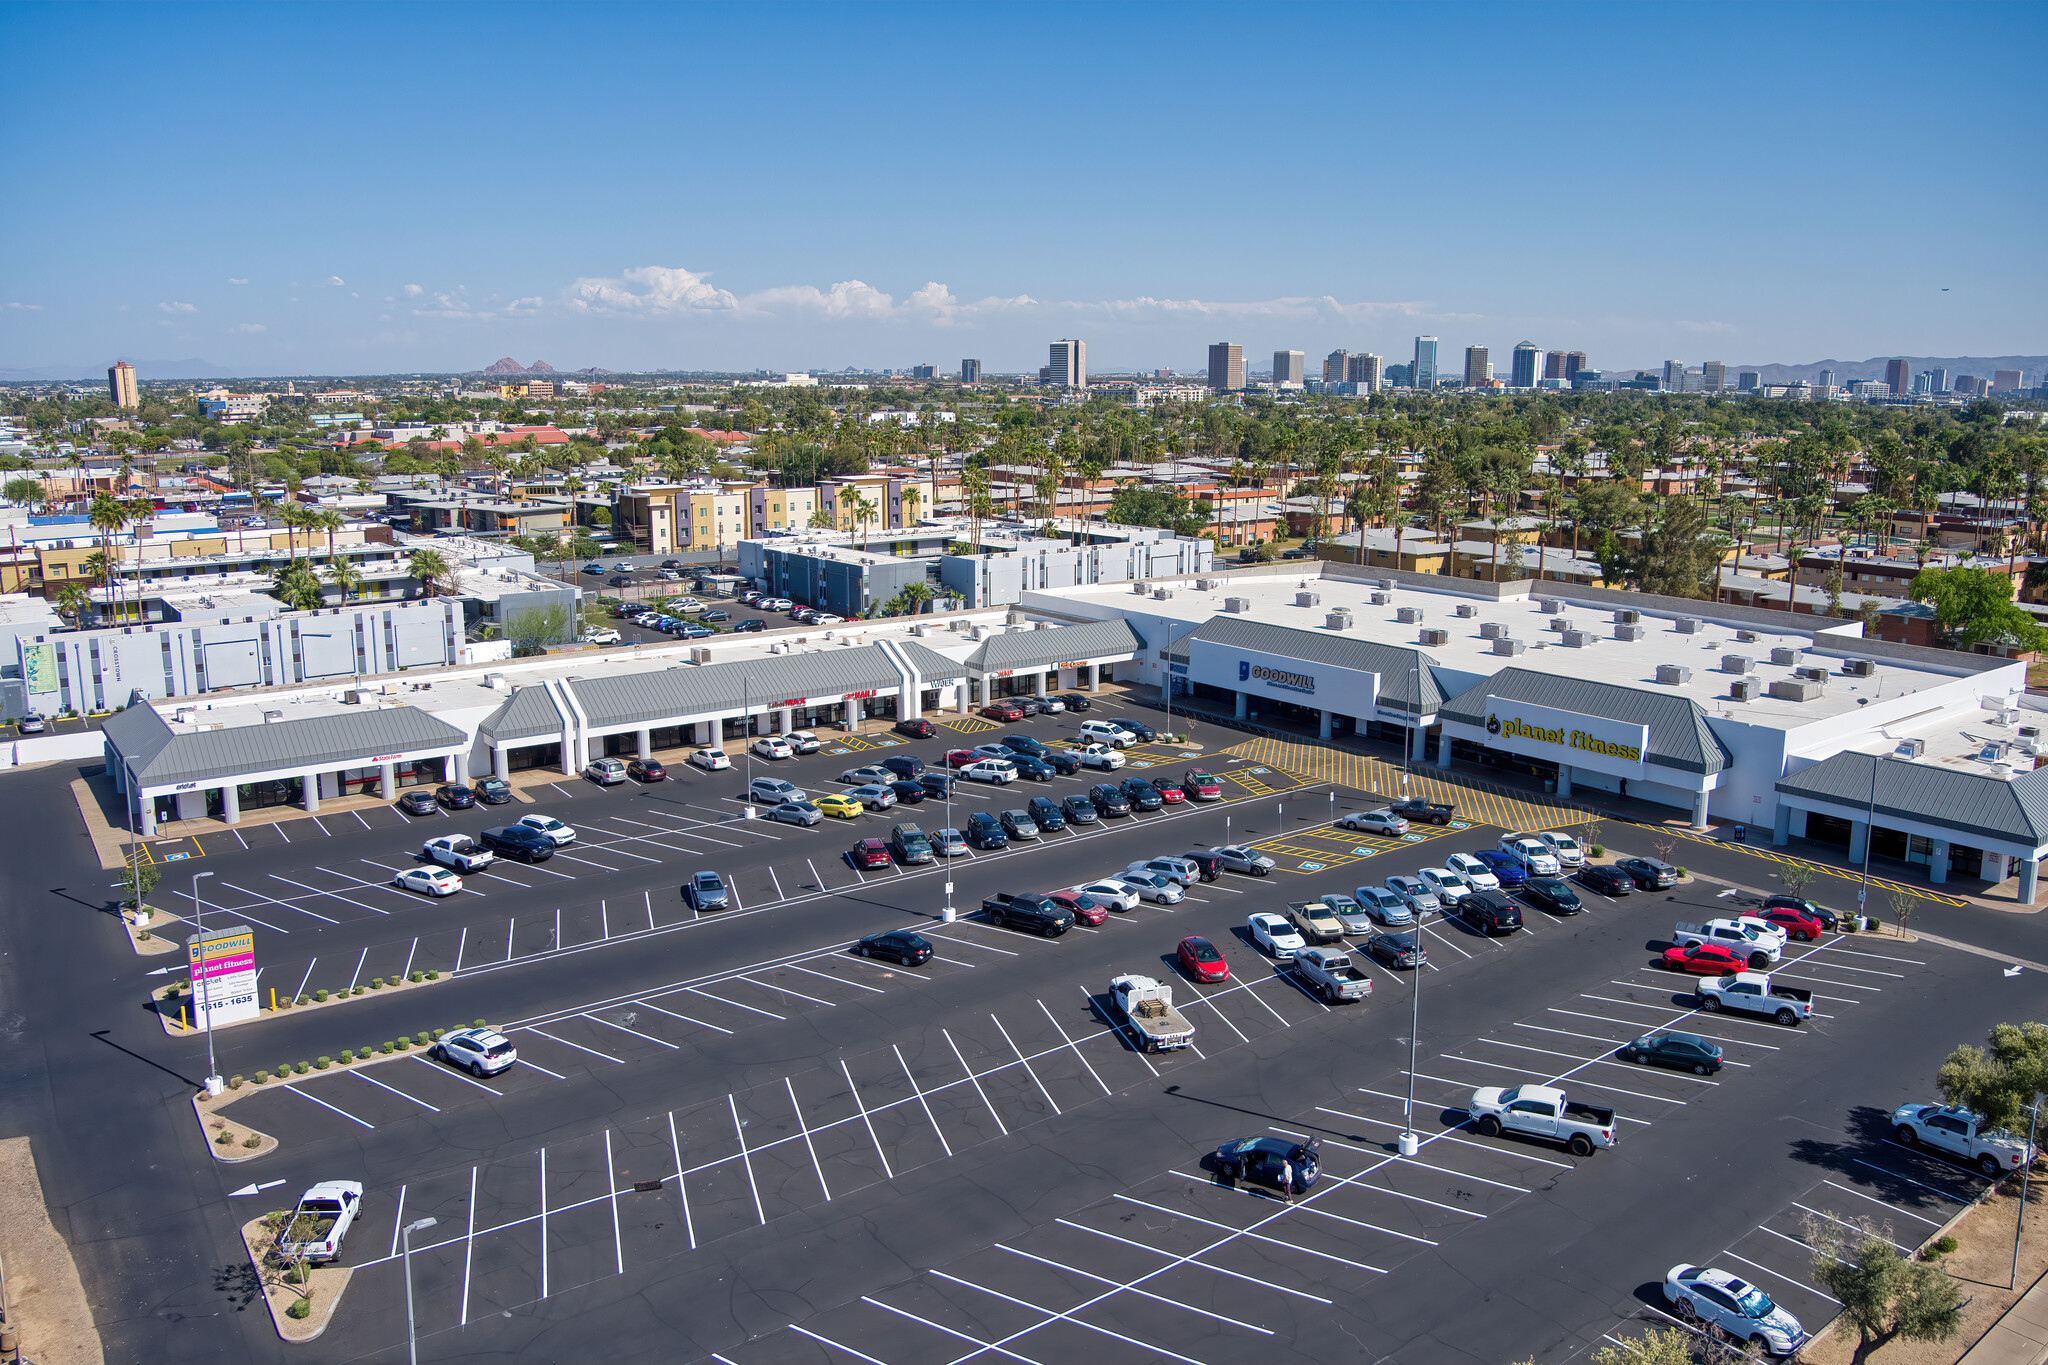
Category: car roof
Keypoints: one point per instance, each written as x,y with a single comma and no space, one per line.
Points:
1269,919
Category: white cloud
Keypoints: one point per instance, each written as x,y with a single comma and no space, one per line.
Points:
176,308
233,280
456,306
28,307
335,281
250,327
662,291
413,291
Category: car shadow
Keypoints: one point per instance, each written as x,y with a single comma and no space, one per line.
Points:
1906,1178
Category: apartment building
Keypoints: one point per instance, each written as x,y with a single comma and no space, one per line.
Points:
779,509
231,409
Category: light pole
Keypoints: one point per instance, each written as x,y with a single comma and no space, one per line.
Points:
1409,1143
412,1344
214,1084
746,739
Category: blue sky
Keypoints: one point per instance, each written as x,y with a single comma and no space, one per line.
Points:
363,189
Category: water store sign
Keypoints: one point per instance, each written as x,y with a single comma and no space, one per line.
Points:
1567,737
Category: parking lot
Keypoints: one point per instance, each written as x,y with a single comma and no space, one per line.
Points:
973,1155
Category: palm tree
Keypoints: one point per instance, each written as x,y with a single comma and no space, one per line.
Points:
346,577
109,516
71,600
430,568
911,499
297,588
915,596
863,513
330,521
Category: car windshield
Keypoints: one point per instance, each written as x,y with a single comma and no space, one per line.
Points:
492,784
1204,952
1753,1301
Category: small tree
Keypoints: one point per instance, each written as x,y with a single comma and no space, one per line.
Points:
533,630
1795,877
1903,904
1886,1295
1999,1080
1669,1347
142,879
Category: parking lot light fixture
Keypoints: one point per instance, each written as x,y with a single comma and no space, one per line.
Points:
214,1084
1409,1143
412,1344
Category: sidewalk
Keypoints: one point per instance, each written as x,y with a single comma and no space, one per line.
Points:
2020,1337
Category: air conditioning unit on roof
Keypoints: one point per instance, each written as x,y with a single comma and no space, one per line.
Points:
1576,639
1782,655
1408,616
1379,599
1549,606
1735,663
1742,689
1627,618
1629,632
1748,637
1492,630
1503,645
1435,635
1673,675
1467,609
1858,668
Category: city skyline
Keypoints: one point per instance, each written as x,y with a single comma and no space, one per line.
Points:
491,246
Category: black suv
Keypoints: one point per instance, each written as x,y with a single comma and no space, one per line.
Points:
1142,794
1209,864
1065,762
1045,813
985,831
1108,799
903,765
1489,912
1139,728
937,783
1025,744
493,791
519,841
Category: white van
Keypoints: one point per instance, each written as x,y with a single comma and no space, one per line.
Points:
1106,732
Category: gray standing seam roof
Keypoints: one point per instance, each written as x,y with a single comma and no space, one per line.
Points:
1059,644
528,714
1679,737
322,742
1400,669
668,694
1972,803
931,665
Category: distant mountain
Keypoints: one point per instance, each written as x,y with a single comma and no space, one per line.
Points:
540,367
144,369
510,366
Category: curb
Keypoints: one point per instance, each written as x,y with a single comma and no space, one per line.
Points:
200,1112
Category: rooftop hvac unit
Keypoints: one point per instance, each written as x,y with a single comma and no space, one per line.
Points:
1492,630
920,629
1162,594
2029,732
1814,674
1688,625
1797,689
1204,584
1041,625
361,696
1436,635
1673,675
1338,620
1782,655
1558,623
496,682
981,632
1576,639
272,717
1237,604
1910,748
2002,771
1379,599
187,714
1549,606
1627,618
1140,589
1388,584
1858,668
1742,689
1467,609
1629,632
1747,637
1735,663
700,655
1308,599
1408,616
1503,645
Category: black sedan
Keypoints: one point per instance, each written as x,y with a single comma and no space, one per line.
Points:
908,949
1065,762
1025,744
1398,950
1607,881
916,729
903,765
523,842
1647,873
1682,1051
1074,701
908,792
1109,800
1141,794
455,797
1079,810
1549,893
417,803
1275,1162
493,791
1140,729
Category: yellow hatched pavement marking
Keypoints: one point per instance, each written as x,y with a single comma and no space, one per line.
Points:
1477,802
968,725
1846,874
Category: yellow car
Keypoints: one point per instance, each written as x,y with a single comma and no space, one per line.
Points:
846,807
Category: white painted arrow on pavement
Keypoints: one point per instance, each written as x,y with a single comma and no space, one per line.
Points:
2013,971
255,1189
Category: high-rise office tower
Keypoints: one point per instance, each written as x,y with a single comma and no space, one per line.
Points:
1897,378
1364,369
924,372
1826,380
1937,381
2008,381
1674,376
1574,361
1336,367
1746,381
121,384
1226,366
1477,367
1422,374
1069,364
970,371
1289,367
1923,383
1713,376
1553,365
1526,357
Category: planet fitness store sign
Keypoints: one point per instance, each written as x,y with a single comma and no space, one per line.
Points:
1567,737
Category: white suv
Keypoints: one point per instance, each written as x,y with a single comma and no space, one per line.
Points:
1564,846
1106,732
997,770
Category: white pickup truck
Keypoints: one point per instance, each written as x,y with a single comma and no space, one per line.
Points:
460,852
1542,1111
1733,935
1328,972
1753,993
1961,1134
324,1215
1148,1006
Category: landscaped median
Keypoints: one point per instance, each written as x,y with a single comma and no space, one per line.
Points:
301,1298
176,1010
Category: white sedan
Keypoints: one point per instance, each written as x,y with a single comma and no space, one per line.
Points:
1276,936
434,881
773,746
1153,887
1743,1312
1476,873
557,832
710,760
1448,886
1118,894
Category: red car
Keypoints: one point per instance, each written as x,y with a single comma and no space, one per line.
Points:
1087,910
1705,959
1002,710
1796,923
1200,785
1199,959
867,853
1170,791
960,758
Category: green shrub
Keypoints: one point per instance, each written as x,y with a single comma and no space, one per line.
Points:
1681,872
1599,851
234,1082
305,1000
377,983
285,1003
423,1039
263,1078
348,1054
390,1047
301,1068
404,1043
252,1141
320,996
284,1071
322,1063
433,975
437,1034
480,1024
300,1308
224,1139
416,975
364,1051
355,990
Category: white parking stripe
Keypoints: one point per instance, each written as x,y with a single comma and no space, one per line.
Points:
1194,1264
734,1003
325,1105
1446,1136
635,1032
578,1046
684,1017
1800,1284
1847,1189
1246,1232
451,1072
361,1076
1589,1061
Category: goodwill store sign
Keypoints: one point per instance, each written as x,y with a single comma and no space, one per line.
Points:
1304,682
1567,737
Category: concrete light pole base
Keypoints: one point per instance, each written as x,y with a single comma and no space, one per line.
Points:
948,915
1409,1144
214,1085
